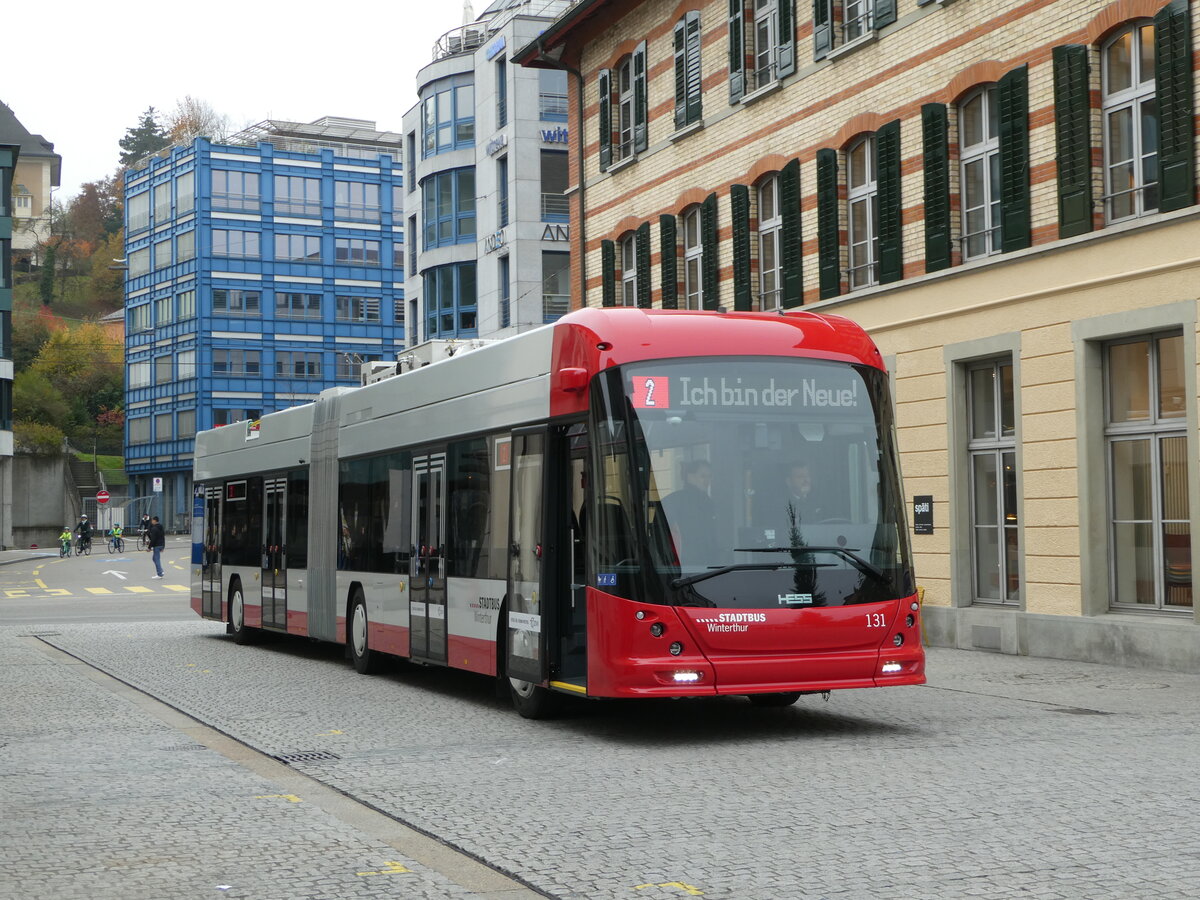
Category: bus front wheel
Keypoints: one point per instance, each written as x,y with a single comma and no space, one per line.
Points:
533,701
366,661
237,615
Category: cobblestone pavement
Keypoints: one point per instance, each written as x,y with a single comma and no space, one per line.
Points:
1004,777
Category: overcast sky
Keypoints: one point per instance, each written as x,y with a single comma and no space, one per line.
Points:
89,70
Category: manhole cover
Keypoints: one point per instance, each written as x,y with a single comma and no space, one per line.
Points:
307,756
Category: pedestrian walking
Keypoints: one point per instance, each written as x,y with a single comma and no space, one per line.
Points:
158,540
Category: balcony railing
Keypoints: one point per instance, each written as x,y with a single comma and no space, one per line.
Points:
553,105
555,207
554,306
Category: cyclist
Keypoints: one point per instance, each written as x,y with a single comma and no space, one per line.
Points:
144,531
117,531
65,540
85,531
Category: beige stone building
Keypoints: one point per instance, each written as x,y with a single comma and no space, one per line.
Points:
1004,194
38,172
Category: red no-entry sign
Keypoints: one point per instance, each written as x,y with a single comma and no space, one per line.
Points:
101,496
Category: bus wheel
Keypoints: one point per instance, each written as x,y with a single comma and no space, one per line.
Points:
237,615
366,661
533,701
774,700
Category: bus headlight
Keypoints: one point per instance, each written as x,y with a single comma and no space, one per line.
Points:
686,677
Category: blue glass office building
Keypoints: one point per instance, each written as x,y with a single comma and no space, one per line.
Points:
260,272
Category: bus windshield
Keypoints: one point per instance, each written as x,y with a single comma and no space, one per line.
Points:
748,483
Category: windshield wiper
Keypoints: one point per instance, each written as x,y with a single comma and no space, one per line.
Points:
738,567
847,553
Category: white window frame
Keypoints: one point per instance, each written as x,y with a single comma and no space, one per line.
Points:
1128,101
693,259
628,251
858,20
764,40
770,234
626,118
985,153
862,242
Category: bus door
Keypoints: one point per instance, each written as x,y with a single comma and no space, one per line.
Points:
274,566
427,588
567,514
211,593
525,636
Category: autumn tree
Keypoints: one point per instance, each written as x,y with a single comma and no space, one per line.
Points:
35,399
106,284
194,118
148,136
85,365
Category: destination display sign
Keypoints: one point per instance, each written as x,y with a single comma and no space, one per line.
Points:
842,390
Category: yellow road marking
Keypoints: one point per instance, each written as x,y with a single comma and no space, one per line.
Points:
686,888
138,589
17,593
328,733
98,590
390,868
176,587
39,582
290,798
58,592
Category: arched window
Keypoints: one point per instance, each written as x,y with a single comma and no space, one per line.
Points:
693,259
862,189
770,255
1130,123
979,162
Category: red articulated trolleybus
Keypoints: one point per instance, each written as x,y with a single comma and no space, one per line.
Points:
626,503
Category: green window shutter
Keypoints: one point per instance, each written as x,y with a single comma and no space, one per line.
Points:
1173,89
605,119
891,219
739,205
785,53
710,271
935,130
1073,135
640,115
681,83
822,28
885,13
829,242
789,234
695,85
1013,90
669,257
641,246
608,273
737,50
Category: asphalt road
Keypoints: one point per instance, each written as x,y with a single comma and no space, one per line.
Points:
149,759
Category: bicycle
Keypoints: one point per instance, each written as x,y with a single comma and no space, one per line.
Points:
83,547
64,549
116,544
143,542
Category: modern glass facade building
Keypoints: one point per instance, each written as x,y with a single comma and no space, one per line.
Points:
260,272
486,153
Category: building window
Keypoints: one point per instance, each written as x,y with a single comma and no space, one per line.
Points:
137,212
356,200
185,192
139,262
764,36
348,366
856,19
450,301
449,208
556,285
863,220
448,118
1146,434
229,416
693,260
358,309
185,423
504,275
501,92
411,237
501,192
237,362
398,311
187,364
162,254
238,244
162,427
555,206
297,306
1130,123
164,367
139,374
164,309
297,196
770,256
236,302
186,305
552,95
991,447
185,246
139,318
139,430
629,285
162,203
398,259
625,112
301,248
297,364
979,151
355,252
236,191
412,161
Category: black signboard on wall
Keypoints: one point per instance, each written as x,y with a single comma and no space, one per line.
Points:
922,514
